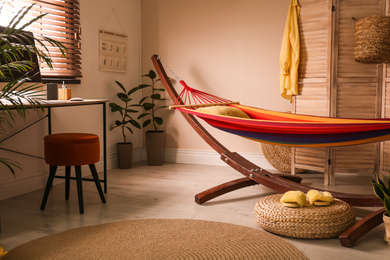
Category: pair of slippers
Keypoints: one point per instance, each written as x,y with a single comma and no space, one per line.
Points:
297,199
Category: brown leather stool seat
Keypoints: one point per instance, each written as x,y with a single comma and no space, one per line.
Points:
72,149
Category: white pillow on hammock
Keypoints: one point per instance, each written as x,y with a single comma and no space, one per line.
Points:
223,111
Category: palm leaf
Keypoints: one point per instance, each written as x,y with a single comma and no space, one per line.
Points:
10,164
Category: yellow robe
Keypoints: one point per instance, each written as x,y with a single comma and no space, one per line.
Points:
289,53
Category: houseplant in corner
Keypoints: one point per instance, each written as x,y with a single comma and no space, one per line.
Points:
151,105
383,192
125,149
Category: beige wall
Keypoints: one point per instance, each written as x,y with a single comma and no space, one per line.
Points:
229,48
226,47
94,84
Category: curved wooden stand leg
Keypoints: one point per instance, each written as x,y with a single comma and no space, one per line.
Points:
354,233
226,187
219,190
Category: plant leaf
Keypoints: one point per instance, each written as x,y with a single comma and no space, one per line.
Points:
124,97
131,91
152,74
128,128
388,184
378,190
135,124
142,100
160,107
115,126
121,86
156,96
143,115
10,165
131,111
379,181
146,123
148,106
115,107
158,120
386,204
142,86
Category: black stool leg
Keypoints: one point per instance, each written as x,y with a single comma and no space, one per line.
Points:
97,182
79,188
67,182
49,183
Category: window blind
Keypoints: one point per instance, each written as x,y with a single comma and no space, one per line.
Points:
62,23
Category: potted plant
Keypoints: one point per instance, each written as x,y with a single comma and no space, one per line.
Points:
125,149
17,51
383,192
151,105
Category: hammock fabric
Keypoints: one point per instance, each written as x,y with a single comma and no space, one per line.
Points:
284,128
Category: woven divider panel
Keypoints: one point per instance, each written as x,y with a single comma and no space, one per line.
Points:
310,222
372,40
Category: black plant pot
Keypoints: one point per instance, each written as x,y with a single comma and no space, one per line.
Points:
125,155
155,147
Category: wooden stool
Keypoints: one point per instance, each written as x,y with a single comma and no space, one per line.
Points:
72,149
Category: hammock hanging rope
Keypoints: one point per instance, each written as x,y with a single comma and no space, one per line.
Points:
282,128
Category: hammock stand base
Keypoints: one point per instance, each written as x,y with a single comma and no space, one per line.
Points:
256,175
236,161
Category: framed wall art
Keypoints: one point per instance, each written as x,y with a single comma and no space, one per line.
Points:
112,52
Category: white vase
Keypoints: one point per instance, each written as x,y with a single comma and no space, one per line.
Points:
386,221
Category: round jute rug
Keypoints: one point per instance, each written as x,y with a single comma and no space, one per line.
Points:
159,239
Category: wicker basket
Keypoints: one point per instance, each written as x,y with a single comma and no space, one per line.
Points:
372,40
310,222
279,157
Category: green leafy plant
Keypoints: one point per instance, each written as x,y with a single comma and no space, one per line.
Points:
125,110
16,42
382,192
150,103
15,45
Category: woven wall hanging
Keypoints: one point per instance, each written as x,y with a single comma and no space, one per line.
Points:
372,40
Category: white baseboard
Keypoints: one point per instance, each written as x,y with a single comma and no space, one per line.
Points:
209,157
37,181
22,185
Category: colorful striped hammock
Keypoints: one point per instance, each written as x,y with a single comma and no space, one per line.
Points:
278,128
283,128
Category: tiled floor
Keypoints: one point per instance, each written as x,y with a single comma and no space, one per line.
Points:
168,192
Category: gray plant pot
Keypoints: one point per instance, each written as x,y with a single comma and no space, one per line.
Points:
155,147
125,155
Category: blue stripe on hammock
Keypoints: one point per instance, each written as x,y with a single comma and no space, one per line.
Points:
307,139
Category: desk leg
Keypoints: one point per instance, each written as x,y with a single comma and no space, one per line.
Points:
105,147
49,120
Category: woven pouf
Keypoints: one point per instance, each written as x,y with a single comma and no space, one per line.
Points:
311,222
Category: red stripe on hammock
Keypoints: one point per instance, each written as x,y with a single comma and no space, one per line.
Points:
291,127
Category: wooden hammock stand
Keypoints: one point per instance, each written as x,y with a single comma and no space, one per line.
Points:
255,175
